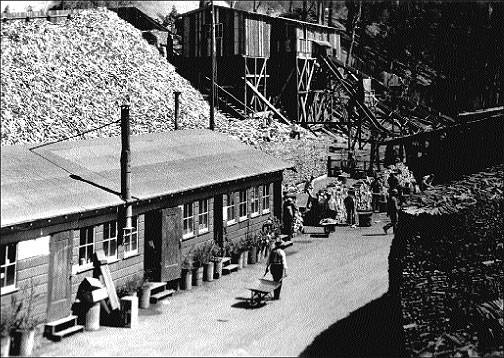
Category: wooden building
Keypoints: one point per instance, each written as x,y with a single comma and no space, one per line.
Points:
242,51
261,59
152,31
61,203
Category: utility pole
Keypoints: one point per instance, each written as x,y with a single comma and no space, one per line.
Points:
126,166
212,85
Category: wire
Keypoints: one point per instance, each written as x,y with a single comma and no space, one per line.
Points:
74,136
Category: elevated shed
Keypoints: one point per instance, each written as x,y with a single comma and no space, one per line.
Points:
242,50
296,46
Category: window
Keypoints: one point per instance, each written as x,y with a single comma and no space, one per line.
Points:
229,209
242,204
203,216
110,240
8,266
266,198
254,201
86,246
188,220
131,239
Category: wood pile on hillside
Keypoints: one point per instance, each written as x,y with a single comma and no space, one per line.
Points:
447,264
59,80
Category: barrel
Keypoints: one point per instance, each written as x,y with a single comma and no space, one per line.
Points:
209,271
145,294
186,280
198,276
93,317
218,268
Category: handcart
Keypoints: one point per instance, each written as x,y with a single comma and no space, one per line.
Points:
259,293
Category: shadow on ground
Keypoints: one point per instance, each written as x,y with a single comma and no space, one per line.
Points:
374,330
245,304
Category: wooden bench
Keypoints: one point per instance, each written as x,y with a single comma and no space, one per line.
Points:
230,268
316,231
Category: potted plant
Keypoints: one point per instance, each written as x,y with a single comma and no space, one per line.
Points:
253,248
198,258
128,294
145,293
26,323
7,325
219,252
206,259
186,278
236,253
245,248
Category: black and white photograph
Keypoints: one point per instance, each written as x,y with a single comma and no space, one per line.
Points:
303,178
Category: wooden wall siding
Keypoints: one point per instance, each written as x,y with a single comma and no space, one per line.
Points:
121,270
36,270
242,34
257,38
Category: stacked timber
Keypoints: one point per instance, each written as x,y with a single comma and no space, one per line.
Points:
61,79
446,265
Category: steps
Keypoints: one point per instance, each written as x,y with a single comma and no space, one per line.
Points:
159,291
64,327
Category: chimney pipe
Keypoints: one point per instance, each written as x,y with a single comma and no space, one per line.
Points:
177,100
126,164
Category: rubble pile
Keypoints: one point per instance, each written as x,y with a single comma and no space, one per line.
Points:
447,266
59,80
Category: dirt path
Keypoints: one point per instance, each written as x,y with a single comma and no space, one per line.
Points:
327,280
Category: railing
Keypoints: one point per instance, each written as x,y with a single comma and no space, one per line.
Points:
229,95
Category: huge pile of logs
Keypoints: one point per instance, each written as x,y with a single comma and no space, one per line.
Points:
446,263
59,80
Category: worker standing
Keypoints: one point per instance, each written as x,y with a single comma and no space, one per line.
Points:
376,187
289,212
392,209
350,207
277,262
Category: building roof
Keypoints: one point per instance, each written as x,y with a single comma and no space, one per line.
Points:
78,176
339,27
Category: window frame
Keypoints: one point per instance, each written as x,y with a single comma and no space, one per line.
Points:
7,263
242,204
205,213
89,260
255,210
266,208
130,235
227,207
108,239
191,218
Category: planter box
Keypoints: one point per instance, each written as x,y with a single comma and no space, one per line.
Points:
129,311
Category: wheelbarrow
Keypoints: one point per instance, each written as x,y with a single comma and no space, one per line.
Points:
262,289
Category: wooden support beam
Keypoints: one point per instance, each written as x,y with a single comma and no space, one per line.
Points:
267,103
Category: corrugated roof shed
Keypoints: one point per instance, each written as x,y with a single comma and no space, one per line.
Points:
78,176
